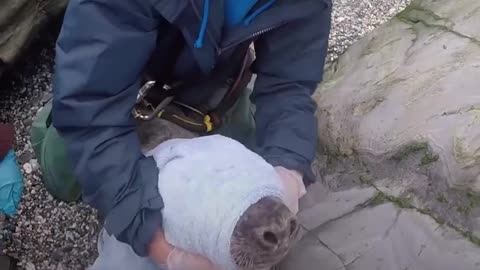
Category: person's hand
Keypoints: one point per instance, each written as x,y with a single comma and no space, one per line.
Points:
172,258
293,182
181,260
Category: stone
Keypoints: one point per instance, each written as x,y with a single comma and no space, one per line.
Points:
399,118
383,237
399,111
34,164
412,80
331,205
20,22
309,254
27,167
30,266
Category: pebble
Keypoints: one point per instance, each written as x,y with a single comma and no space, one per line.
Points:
27,167
69,230
30,266
34,164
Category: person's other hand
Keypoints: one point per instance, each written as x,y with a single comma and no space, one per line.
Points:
293,182
172,258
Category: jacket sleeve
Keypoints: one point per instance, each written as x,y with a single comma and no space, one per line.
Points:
101,50
289,65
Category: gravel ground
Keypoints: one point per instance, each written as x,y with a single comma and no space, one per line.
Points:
352,19
48,234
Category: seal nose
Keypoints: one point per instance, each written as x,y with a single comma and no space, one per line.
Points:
272,239
269,239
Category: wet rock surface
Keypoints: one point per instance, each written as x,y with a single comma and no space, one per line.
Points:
398,162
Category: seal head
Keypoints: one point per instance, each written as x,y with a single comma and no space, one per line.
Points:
263,235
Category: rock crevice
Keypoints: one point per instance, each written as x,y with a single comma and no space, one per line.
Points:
415,14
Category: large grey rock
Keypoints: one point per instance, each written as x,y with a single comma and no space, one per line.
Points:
400,162
319,206
383,238
20,22
412,80
404,103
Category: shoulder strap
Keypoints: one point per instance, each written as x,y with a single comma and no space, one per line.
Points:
235,91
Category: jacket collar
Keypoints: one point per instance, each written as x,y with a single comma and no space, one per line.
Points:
203,29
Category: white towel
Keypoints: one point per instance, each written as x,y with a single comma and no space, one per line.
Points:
206,184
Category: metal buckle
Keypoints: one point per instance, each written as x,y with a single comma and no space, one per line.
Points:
141,101
143,90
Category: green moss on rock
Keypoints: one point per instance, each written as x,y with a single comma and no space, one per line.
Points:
409,150
429,158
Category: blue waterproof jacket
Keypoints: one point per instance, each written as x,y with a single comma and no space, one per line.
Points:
105,45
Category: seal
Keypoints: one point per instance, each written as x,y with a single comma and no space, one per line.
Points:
264,233
154,132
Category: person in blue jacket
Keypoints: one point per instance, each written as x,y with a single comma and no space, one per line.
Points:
105,46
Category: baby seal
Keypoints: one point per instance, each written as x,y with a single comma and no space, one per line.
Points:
156,131
263,235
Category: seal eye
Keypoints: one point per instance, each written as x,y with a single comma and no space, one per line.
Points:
270,237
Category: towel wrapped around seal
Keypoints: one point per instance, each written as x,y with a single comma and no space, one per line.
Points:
207,183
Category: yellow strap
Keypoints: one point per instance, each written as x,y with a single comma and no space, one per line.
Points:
208,123
186,121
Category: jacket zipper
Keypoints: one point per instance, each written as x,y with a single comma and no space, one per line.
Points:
221,50
258,33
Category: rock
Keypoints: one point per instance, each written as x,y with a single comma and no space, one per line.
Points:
331,205
382,236
412,80
20,22
400,144
399,111
34,164
406,237
27,167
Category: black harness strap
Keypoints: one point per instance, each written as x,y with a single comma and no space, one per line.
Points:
195,119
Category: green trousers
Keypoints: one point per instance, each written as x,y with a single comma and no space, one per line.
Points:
238,124
239,121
